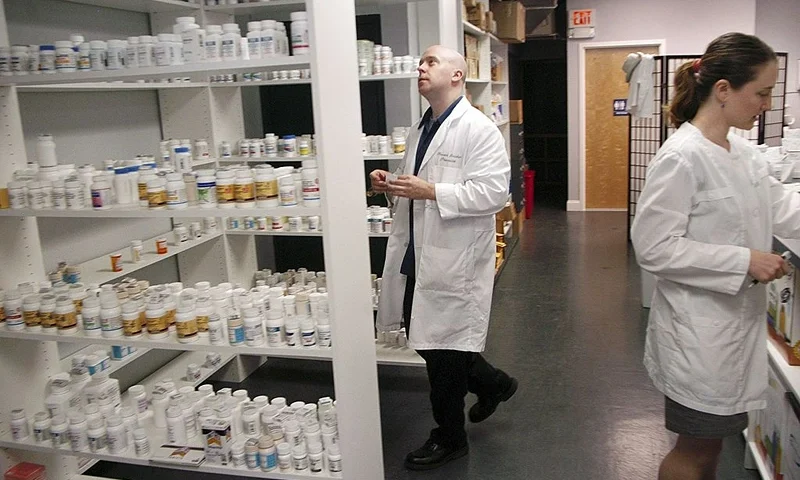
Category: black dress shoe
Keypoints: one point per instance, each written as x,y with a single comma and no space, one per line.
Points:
434,455
487,405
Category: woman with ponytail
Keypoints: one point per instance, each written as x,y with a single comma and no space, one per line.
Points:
704,228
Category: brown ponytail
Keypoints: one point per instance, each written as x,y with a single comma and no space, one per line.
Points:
734,57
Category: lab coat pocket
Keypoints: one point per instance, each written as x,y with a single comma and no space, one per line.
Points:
444,269
441,174
711,363
715,217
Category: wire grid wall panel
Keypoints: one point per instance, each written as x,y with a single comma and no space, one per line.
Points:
644,136
772,121
643,145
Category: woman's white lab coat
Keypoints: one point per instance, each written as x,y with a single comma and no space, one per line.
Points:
454,236
701,211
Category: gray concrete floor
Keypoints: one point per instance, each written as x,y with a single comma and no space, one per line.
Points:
567,322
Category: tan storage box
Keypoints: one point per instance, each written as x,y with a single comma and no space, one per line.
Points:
477,16
472,68
515,111
510,18
471,47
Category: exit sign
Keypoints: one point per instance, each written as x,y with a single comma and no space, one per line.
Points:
581,18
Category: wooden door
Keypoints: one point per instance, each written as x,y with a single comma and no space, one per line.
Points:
606,134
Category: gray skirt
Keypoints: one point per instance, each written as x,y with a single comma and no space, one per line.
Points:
687,421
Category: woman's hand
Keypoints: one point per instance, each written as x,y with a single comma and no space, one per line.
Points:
766,267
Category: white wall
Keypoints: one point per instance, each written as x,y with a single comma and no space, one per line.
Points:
778,24
686,25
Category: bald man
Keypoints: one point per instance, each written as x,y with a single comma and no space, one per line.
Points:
439,270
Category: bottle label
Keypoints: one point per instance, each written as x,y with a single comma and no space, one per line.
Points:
244,192
267,190
254,333
212,50
78,304
47,319
170,317
206,192
236,335
274,336
31,318
225,194
66,320
287,196
267,45
176,196
155,199
132,327
111,324
216,335
291,337
254,47
334,466
202,323
97,442
324,338
157,324
309,339
78,440
142,191
228,49
311,189
187,329
91,322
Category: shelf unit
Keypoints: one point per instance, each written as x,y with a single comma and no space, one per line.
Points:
98,270
269,233
114,365
484,89
190,110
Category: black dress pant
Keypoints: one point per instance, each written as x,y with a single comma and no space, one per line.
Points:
453,373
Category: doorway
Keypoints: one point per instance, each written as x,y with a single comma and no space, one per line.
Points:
605,145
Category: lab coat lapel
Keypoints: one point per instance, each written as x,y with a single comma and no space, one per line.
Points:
441,134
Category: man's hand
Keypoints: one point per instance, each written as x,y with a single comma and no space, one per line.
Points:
378,178
766,267
412,187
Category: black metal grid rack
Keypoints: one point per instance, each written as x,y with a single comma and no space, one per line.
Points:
646,135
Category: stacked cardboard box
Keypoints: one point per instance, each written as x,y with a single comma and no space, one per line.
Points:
510,18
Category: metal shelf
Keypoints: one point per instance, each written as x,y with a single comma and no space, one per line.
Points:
477,81
472,29
146,6
98,270
385,355
261,83
265,159
192,212
270,233
107,87
763,470
389,156
392,76
268,9
134,74
66,362
499,83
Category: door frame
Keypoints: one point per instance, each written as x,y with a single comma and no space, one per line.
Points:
660,43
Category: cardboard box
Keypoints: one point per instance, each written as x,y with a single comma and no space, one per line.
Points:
770,425
477,16
515,111
508,212
472,68
218,441
517,226
491,25
497,74
469,4
791,454
510,18
783,315
471,47
4,200
26,471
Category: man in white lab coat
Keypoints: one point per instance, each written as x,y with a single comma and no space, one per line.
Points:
439,270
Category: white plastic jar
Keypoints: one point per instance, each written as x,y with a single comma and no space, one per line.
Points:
186,324
47,59
206,189
287,191
176,426
144,52
117,51
162,50
66,316
230,41
176,52
19,59
97,55
176,192
157,324
59,195
225,189
244,189
132,53
90,313
41,427
311,192
267,40
116,434
213,43
254,39
101,195
17,195
78,431
84,57
253,328
192,43
12,307
74,195
267,193
300,44
157,194
110,315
